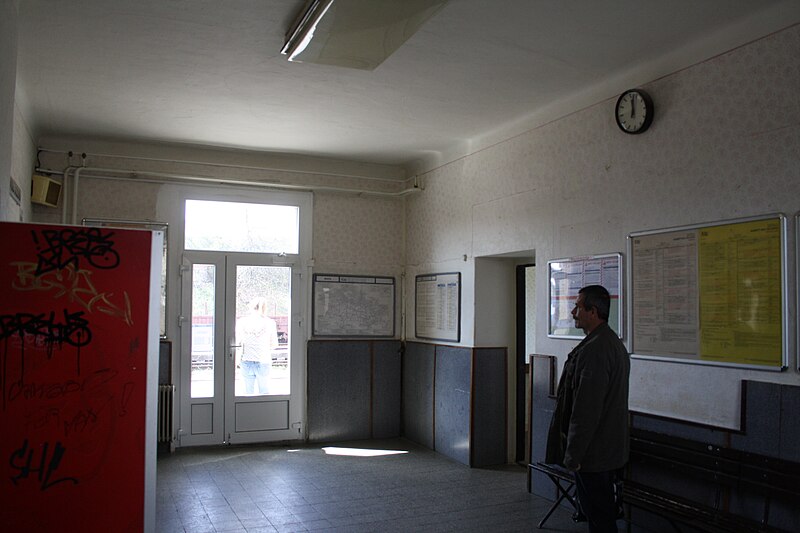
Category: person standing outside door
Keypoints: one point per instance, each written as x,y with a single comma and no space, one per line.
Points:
257,334
589,430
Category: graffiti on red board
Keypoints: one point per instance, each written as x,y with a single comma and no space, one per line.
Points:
76,286
58,248
39,466
74,307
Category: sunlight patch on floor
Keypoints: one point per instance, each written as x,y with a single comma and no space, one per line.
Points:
359,452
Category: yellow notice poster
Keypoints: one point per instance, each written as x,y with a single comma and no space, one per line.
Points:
739,269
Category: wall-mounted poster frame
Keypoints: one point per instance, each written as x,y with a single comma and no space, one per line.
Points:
437,313
567,276
711,294
152,226
351,306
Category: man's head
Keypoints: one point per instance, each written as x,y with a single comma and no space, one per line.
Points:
591,308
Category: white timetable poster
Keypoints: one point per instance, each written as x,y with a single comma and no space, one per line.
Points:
438,307
568,276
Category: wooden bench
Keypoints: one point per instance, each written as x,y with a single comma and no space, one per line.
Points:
719,471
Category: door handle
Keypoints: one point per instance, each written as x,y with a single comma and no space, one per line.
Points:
233,350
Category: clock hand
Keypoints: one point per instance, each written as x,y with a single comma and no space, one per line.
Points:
633,105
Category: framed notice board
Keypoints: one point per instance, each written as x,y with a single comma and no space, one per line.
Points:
568,276
353,306
438,307
711,293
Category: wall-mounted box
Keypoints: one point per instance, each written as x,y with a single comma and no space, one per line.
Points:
45,191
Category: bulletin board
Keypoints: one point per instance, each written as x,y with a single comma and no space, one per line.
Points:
353,306
711,294
76,325
438,307
568,276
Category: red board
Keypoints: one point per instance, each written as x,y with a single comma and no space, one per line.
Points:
73,374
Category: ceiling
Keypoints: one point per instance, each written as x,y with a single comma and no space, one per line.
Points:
207,72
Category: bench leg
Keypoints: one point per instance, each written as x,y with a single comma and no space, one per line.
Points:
554,507
562,495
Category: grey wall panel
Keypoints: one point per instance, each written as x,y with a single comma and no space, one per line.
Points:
452,402
762,407
489,407
542,407
386,381
417,394
338,390
790,423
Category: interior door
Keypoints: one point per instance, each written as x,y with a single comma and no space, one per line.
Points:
241,324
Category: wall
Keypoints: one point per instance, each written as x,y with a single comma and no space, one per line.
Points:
724,144
23,159
8,76
351,234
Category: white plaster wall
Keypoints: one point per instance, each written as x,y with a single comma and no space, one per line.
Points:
495,303
8,76
725,144
23,159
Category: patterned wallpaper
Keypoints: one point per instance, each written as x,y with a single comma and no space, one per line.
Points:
358,234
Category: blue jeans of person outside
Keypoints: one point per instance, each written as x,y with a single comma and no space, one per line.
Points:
255,371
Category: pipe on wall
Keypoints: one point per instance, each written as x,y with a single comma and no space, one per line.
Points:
147,176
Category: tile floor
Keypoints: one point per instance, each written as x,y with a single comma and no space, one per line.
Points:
258,489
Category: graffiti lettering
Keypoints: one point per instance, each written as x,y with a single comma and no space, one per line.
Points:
22,460
75,284
74,330
80,421
64,247
52,391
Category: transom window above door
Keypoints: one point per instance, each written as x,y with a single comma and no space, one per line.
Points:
242,227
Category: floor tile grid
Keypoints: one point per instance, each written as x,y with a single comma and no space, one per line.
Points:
272,489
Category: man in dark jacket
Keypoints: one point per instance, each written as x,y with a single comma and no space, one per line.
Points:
589,431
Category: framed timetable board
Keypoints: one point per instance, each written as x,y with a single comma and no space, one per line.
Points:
567,276
353,306
438,307
711,294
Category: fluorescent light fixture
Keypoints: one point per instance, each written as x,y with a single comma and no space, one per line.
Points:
358,34
303,30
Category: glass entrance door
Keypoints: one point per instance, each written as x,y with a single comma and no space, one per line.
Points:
241,338
259,386
245,383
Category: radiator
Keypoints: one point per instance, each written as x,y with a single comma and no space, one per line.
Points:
166,395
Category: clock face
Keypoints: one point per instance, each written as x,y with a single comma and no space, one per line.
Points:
634,111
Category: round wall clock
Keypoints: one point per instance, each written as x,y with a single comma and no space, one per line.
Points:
634,111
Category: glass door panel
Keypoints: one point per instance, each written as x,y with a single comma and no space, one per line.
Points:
202,336
263,383
262,330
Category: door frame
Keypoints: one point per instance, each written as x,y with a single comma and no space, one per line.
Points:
172,198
